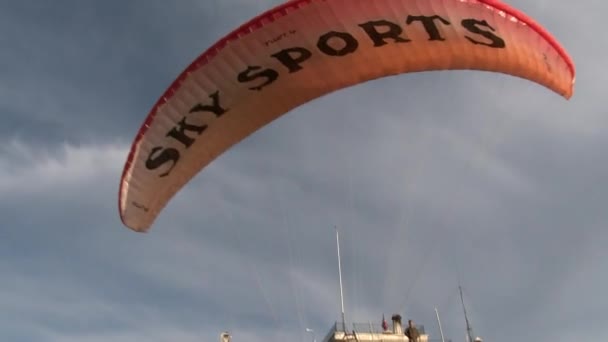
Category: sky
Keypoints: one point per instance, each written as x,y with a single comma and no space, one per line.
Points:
500,189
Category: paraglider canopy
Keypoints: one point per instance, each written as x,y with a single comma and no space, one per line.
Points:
304,49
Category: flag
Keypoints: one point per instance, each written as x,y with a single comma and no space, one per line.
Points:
384,325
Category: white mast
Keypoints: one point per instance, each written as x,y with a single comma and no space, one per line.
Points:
340,277
439,322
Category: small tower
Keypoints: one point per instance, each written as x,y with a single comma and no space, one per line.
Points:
397,326
225,337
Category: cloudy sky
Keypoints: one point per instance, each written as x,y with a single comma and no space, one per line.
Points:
501,189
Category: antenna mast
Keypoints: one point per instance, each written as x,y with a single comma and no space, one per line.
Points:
469,329
340,276
439,322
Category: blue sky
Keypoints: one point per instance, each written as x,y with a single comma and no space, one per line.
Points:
501,188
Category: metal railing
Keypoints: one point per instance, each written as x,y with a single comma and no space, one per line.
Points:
369,327
376,328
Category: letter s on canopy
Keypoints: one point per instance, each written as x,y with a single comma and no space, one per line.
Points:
303,49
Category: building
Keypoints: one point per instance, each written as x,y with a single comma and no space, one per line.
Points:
364,332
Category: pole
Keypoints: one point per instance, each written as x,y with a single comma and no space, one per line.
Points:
340,276
439,322
469,330
314,339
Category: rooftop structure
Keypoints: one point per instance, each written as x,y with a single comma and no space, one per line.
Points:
363,332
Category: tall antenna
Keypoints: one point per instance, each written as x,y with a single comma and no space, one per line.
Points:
469,329
340,276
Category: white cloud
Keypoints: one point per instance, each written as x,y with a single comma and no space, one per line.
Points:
26,170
